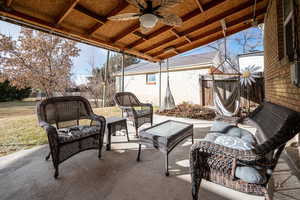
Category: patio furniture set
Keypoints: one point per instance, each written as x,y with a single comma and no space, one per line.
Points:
62,117
228,155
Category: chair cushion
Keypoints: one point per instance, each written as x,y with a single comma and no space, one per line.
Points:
225,134
233,142
251,175
220,128
76,132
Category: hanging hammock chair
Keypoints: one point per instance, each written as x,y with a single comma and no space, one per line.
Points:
169,102
227,106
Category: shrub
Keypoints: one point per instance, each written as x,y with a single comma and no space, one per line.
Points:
10,93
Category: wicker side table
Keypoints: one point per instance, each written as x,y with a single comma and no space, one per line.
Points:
115,124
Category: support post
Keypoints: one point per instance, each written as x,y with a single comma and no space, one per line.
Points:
105,80
159,84
123,72
202,91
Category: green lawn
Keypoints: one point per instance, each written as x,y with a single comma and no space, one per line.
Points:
19,129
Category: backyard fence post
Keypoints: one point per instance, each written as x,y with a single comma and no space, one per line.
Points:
159,84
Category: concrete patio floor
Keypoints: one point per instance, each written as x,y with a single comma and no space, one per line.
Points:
117,176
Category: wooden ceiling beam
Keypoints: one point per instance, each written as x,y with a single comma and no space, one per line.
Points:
178,35
123,34
39,24
174,32
140,35
165,28
197,41
8,3
187,38
94,28
201,25
199,5
185,18
67,11
121,6
98,18
218,36
171,49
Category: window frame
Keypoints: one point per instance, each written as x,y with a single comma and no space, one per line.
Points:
286,20
149,82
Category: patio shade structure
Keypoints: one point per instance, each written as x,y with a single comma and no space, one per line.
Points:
87,21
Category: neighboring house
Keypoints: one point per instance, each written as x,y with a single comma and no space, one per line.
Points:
143,78
253,58
186,78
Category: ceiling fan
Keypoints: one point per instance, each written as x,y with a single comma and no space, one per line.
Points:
151,12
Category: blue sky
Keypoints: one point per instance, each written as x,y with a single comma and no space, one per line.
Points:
81,66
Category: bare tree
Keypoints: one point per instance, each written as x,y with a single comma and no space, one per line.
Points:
250,40
221,46
38,60
97,79
95,82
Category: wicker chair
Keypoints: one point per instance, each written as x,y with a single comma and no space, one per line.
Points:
275,126
128,102
61,118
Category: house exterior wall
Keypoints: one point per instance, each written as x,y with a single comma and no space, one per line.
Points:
245,61
278,86
184,86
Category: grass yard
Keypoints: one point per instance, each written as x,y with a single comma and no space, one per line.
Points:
19,129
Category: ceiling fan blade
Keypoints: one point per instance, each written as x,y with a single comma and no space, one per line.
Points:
144,30
170,19
125,16
165,4
141,4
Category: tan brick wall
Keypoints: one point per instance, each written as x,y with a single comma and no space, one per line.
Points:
278,85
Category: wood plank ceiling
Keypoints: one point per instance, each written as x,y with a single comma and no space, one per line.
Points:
86,21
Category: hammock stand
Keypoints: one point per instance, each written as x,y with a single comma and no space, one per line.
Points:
169,102
226,107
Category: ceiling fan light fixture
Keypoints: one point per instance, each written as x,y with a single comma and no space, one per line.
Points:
148,20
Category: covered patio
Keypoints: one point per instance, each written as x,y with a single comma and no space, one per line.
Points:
117,175
26,175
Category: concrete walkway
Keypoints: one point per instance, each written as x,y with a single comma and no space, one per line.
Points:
117,176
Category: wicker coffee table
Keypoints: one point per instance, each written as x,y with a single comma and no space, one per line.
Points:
165,136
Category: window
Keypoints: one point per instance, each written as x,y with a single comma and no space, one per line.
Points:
288,29
150,79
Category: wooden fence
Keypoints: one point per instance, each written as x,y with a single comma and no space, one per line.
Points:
252,94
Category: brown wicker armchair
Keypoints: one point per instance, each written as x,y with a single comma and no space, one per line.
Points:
128,102
61,118
275,126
